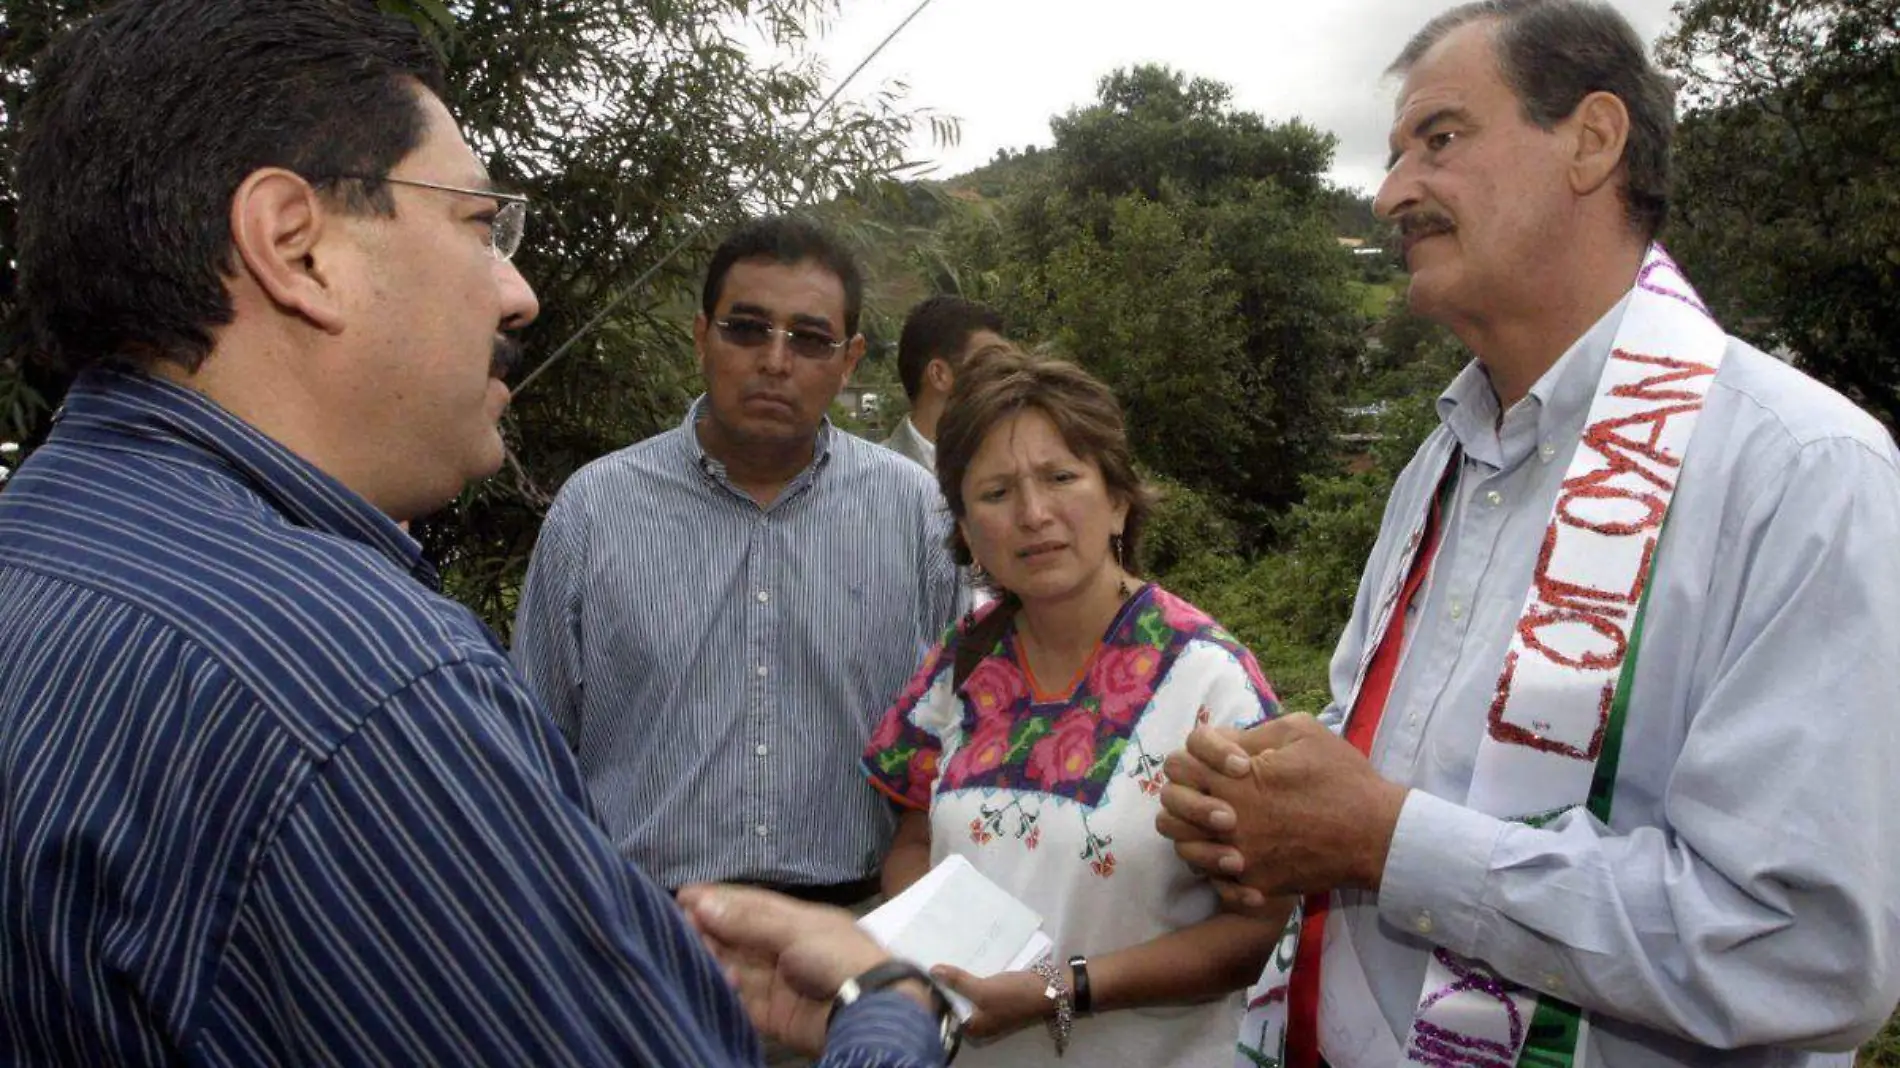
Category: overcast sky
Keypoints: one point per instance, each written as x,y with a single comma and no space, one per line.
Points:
1004,67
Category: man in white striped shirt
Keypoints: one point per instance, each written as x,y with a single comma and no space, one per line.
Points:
716,616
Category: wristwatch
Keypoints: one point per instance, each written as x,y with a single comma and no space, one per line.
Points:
890,973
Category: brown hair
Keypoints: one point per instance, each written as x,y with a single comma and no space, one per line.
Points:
999,381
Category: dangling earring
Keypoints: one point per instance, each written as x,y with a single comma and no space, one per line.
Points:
977,578
1121,561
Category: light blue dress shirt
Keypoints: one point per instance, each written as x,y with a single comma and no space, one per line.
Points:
717,666
1746,896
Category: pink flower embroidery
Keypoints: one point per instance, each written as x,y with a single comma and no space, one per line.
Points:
1122,678
1180,615
887,732
1034,839
978,834
985,750
993,687
1066,753
1104,867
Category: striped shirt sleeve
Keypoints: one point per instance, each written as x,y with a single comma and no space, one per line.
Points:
438,895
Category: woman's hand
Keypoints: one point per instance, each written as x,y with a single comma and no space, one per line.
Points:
1005,1002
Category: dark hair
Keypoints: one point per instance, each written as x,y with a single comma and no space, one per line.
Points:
787,240
144,121
937,329
1002,381
1553,53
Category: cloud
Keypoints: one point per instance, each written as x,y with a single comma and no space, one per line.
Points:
1005,67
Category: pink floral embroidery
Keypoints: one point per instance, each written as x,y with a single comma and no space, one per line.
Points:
1104,867
888,730
1066,754
1034,839
979,834
986,750
993,687
1180,615
1122,677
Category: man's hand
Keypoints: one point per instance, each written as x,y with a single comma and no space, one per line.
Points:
785,958
1286,807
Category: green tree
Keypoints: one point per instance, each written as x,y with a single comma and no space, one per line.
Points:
1788,206
1185,252
633,124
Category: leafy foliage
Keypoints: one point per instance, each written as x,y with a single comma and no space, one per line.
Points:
1184,252
638,127
1788,160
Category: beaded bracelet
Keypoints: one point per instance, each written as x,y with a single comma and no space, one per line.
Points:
1057,991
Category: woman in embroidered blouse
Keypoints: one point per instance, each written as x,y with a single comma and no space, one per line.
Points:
1043,768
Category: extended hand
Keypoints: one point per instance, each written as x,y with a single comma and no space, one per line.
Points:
1005,1002
785,958
1286,807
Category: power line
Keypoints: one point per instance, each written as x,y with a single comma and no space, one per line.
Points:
628,290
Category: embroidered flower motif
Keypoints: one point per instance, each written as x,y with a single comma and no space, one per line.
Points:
1180,615
993,688
985,751
889,729
1034,839
1122,679
979,834
1104,867
1066,754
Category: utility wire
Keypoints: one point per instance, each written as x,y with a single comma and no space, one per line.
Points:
619,298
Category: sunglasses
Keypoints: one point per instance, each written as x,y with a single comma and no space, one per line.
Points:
757,333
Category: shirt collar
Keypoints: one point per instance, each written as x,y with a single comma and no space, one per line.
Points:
1553,409
113,403
924,447
689,434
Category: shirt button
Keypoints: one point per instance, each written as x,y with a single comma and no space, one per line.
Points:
1412,720
763,750
1494,498
760,671
1553,982
762,830
1547,452
763,596
1423,924
1457,610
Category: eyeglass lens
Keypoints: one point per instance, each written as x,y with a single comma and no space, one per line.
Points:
756,333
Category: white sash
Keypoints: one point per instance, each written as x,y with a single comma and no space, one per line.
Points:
1553,717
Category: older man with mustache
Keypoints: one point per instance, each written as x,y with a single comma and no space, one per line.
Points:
1612,781
716,616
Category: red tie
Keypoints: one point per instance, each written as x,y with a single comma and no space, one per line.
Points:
1302,1035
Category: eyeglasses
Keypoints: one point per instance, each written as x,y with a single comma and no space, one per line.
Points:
504,230
757,333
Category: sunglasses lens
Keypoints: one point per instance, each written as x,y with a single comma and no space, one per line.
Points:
746,333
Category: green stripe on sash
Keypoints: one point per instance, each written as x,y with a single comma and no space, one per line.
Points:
1556,1025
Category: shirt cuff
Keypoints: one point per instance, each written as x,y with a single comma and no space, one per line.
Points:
886,1024
1436,871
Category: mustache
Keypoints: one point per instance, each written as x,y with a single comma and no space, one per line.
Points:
1424,223
506,358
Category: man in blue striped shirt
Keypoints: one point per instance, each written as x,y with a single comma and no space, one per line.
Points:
716,616
267,798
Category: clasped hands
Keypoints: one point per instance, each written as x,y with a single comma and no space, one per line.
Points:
1287,807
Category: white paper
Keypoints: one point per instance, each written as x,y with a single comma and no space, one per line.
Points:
956,916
